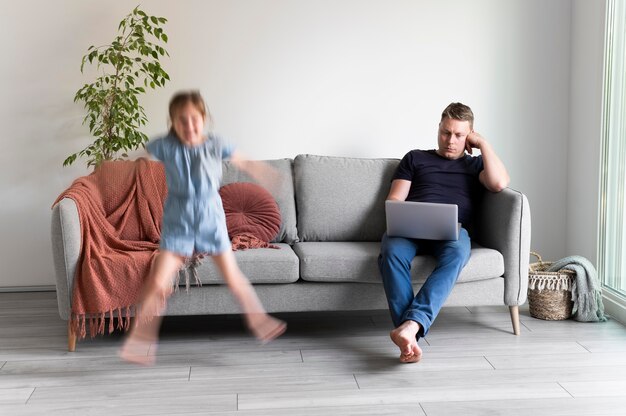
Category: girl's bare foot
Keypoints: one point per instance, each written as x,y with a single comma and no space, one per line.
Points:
138,350
140,345
264,327
405,338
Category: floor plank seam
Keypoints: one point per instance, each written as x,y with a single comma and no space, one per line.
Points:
566,391
490,363
586,349
30,396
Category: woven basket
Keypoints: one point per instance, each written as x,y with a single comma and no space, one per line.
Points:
549,293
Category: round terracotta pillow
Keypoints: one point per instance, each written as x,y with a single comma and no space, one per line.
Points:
250,210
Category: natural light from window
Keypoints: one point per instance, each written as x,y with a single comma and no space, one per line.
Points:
612,232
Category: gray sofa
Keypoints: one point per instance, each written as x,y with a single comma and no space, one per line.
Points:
332,221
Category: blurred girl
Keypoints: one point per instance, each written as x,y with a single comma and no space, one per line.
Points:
194,222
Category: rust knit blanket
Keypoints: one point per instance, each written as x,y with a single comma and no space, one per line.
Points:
120,206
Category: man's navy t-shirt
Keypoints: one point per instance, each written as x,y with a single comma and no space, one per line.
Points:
437,179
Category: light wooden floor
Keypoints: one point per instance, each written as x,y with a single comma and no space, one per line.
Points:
326,364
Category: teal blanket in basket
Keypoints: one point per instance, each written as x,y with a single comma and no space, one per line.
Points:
586,292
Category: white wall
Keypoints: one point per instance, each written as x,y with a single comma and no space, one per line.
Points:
588,18
363,78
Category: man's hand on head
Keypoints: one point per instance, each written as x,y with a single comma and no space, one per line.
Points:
473,141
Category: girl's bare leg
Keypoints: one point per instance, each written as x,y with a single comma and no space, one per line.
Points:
153,300
264,327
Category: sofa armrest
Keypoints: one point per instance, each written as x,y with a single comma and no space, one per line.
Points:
503,224
66,242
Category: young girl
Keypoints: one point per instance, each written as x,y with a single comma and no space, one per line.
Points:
194,222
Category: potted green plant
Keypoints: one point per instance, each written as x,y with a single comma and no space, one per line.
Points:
126,67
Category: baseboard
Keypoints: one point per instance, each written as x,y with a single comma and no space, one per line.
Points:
614,305
12,289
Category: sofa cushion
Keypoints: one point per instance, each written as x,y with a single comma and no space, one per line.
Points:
341,198
260,265
250,209
284,196
338,261
358,262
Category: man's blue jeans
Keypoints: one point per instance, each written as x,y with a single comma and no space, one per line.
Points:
394,261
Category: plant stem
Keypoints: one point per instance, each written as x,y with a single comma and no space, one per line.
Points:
111,100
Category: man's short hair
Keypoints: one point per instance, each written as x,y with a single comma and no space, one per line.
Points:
458,111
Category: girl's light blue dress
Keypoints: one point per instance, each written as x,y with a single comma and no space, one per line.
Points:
193,215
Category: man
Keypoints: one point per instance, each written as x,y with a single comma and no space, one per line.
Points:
446,175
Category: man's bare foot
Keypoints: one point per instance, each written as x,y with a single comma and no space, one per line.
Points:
138,350
264,327
404,337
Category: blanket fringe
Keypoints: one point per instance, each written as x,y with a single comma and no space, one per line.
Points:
95,323
188,272
246,241
549,283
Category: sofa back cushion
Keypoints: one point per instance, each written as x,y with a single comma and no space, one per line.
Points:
283,195
341,198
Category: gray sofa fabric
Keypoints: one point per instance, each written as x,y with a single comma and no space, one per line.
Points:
341,199
66,241
260,266
504,224
333,218
358,262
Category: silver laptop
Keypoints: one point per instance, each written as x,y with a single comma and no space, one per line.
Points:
424,220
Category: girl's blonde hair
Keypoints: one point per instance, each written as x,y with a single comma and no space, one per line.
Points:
181,99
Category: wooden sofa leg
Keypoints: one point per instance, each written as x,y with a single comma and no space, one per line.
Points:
71,338
514,310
